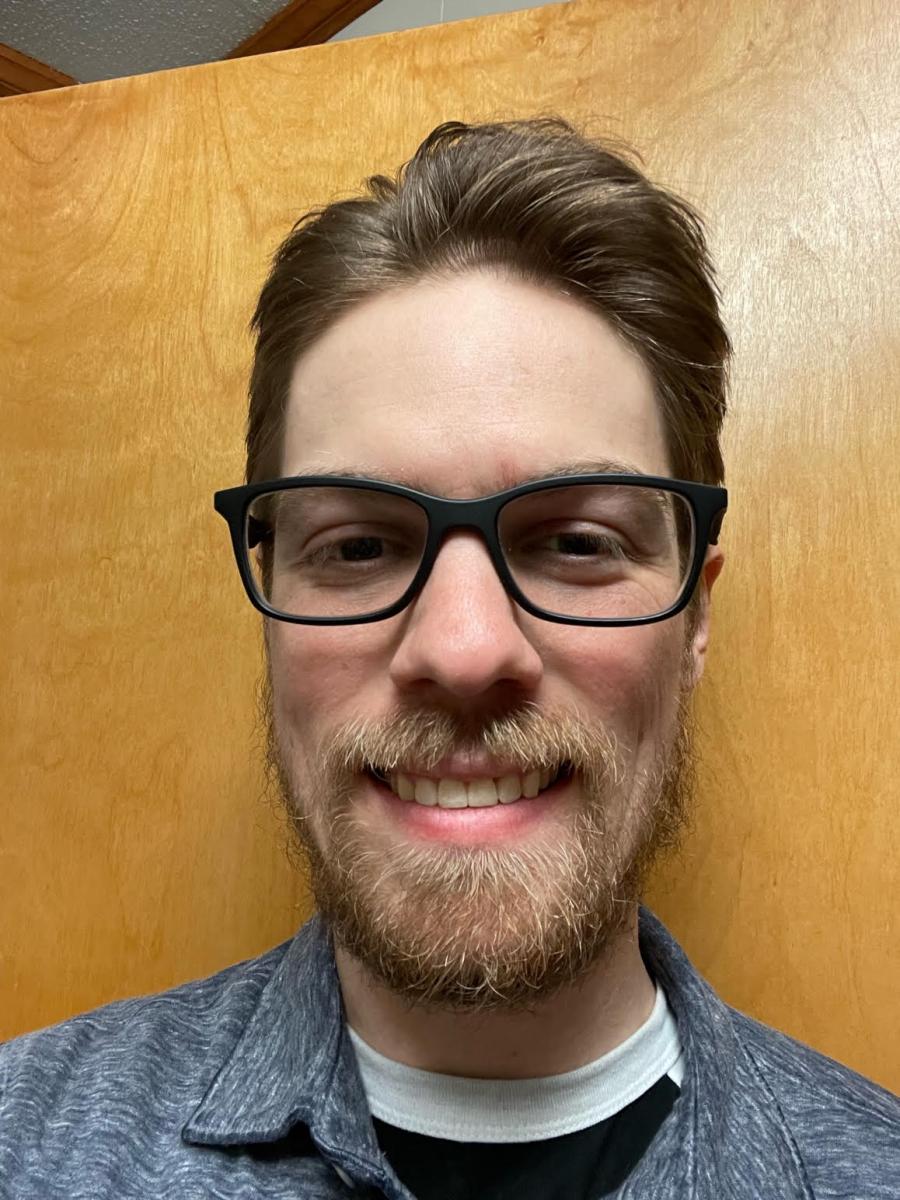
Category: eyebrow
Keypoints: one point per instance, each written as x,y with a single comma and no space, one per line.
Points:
598,466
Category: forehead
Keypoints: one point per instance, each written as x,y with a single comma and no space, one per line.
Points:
467,385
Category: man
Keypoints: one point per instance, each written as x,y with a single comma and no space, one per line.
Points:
482,513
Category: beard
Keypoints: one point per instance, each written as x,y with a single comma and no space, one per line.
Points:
471,928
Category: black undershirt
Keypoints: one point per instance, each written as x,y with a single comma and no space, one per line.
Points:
586,1165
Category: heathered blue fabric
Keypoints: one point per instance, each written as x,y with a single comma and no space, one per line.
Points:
187,1093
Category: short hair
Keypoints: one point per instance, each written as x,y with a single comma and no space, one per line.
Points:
547,204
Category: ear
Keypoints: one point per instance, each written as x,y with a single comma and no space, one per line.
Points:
712,566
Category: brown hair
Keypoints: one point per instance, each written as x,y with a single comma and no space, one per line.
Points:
542,201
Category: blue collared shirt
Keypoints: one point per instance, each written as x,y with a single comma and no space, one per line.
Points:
246,1084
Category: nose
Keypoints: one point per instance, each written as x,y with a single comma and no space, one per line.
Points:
463,633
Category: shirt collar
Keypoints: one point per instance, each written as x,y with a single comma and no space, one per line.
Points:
724,1102
294,1064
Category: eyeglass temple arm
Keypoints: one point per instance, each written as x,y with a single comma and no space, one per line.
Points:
716,527
257,531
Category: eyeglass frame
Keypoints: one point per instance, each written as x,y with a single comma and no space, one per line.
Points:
708,504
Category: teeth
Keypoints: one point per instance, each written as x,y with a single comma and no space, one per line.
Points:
531,785
425,791
479,793
452,794
509,788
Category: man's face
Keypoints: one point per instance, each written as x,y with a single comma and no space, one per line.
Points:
462,387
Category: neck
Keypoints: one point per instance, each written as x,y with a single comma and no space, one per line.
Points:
575,1026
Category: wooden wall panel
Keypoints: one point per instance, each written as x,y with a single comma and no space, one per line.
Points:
137,219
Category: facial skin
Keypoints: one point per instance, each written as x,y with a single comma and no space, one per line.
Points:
512,954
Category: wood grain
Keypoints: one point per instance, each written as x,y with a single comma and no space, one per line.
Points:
138,218
20,73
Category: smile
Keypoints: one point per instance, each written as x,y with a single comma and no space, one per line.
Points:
474,793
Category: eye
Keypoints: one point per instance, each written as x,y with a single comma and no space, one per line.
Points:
580,544
346,550
583,546
358,548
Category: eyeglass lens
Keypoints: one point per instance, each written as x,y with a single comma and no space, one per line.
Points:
583,550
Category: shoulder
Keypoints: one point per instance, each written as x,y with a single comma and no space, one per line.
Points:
845,1127
130,1049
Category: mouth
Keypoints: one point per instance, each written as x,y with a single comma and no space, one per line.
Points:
441,811
480,793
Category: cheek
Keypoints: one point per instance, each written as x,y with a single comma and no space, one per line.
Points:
628,677
319,673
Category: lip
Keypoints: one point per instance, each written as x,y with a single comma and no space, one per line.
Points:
467,826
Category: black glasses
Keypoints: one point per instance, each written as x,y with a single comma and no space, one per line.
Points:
582,550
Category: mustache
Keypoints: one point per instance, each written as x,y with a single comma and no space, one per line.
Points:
535,737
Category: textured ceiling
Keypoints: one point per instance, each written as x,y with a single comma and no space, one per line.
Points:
104,39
